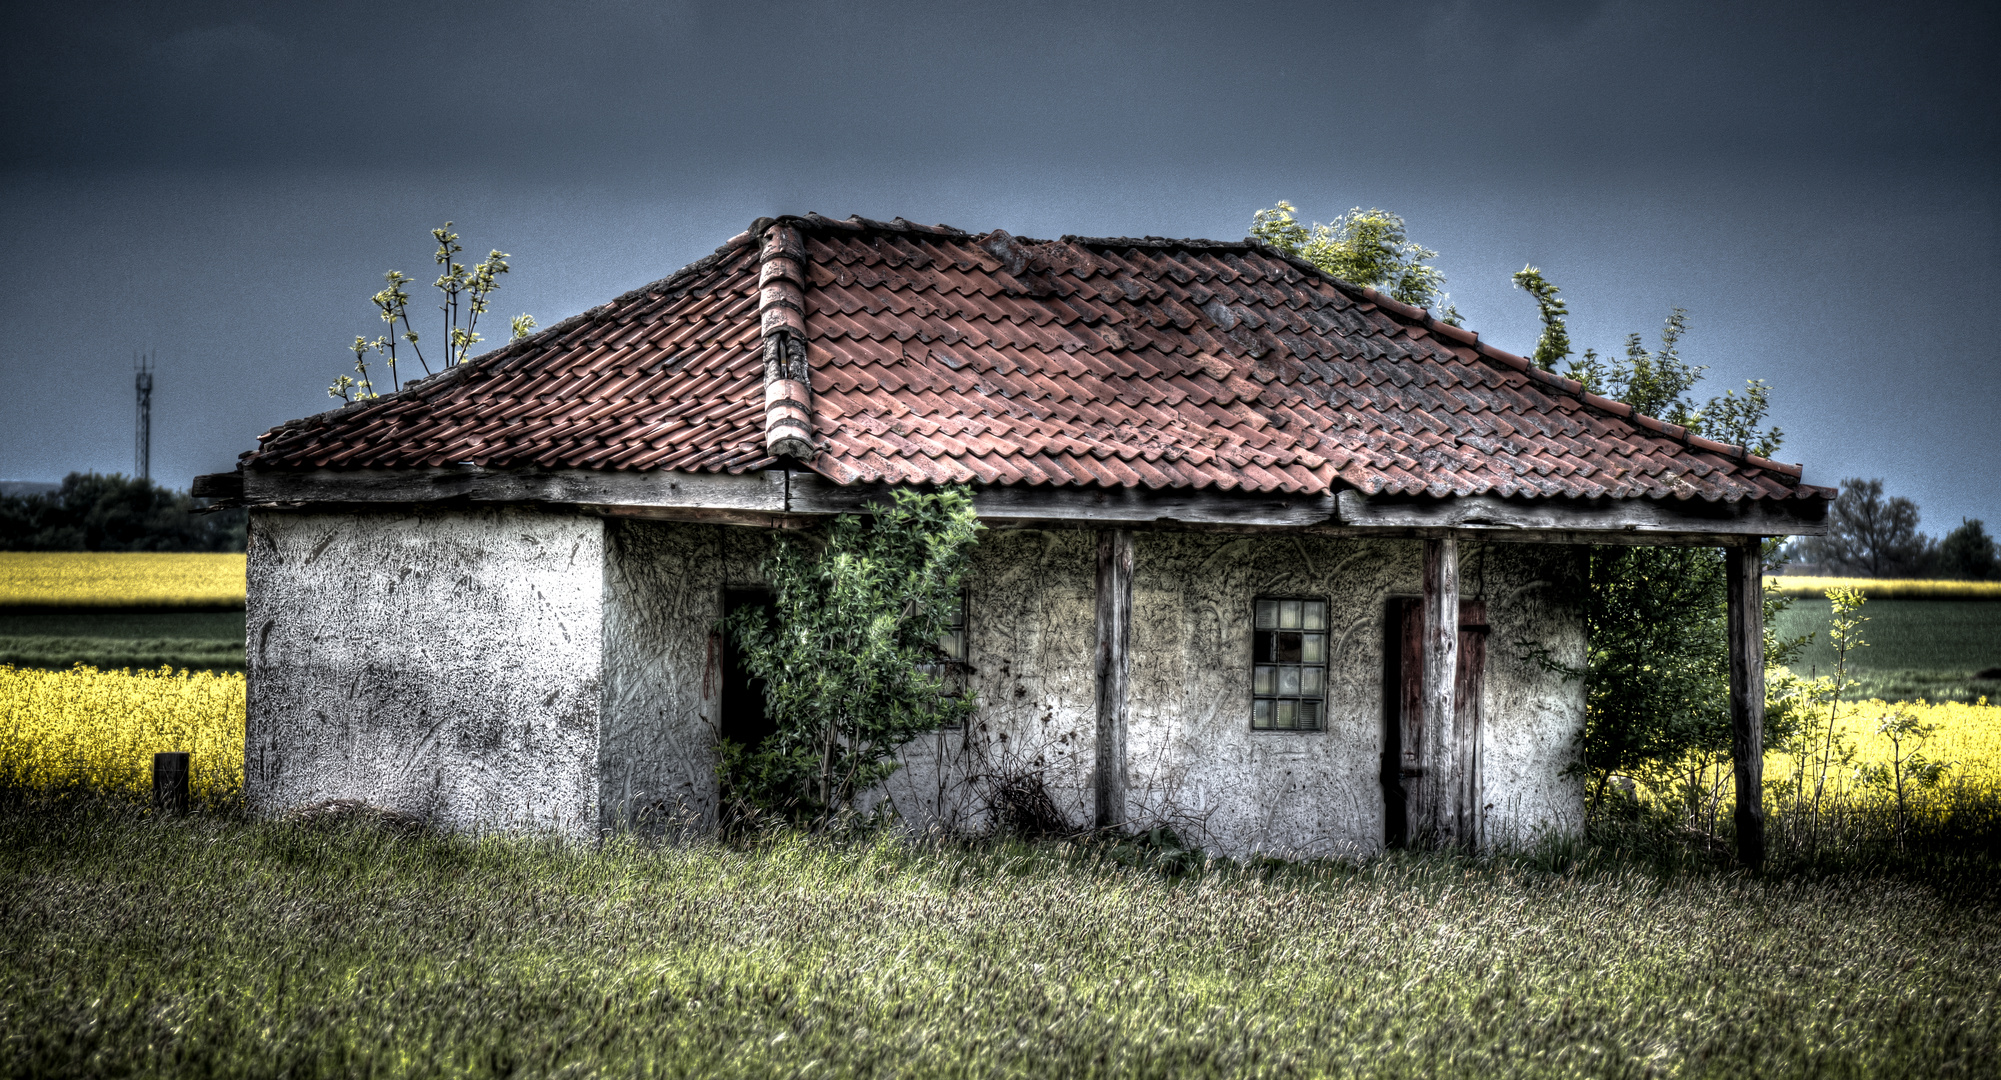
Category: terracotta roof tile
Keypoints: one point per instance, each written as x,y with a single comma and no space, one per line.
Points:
937,355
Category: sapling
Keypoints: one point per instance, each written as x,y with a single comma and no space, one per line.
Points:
1819,745
1909,769
466,291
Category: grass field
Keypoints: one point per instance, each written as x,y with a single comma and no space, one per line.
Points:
1932,649
215,945
227,948
125,580
200,640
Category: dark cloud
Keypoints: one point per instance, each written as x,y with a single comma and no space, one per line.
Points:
627,85
226,182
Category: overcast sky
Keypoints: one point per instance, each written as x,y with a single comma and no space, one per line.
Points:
223,184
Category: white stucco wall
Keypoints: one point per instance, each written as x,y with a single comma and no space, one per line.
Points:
517,669
445,664
662,665
1193,764
1031,638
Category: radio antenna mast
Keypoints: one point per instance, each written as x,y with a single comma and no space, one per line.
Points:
142,442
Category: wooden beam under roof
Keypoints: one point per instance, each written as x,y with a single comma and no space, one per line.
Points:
781,498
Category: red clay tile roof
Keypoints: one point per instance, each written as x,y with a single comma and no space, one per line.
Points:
937,355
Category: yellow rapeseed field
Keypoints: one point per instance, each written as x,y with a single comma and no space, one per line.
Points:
121,579
1887,588
1969,736
100,729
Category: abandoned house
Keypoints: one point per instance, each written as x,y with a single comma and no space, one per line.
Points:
1270,558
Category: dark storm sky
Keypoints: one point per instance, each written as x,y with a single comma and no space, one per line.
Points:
224,184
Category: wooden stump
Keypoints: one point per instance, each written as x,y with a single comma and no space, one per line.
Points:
170,783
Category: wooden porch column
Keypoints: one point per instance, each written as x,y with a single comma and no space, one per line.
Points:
1114,619
1438,819
1745,572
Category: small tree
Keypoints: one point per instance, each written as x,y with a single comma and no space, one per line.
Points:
1910,770
1967,552
849,655
1368,247
465,293
1657,672
1872,535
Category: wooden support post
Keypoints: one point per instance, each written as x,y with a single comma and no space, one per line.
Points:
1469,816
170,783
1439,786
1115,605
1746,581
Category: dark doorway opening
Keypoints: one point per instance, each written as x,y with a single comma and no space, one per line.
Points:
1403,704
743,718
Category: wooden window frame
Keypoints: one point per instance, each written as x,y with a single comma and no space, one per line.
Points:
956,671
1272,691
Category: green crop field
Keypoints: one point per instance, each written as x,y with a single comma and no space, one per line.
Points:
202,640
1934,649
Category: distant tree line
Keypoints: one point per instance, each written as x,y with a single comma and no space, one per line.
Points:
92,512
1870,535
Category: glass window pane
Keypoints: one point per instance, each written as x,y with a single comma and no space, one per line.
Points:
953,644
1260,714
1313,648
1264,679
1309,681
1288,614
1314,615
1283,712
1288,680
1285,648
1267,614
1309,714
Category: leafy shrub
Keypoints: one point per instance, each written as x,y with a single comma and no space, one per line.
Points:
849,656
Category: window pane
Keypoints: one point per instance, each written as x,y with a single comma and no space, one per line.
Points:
1260,714
1285,648
1312,648
1288,614
1267,614
1314,615
1263,681
1283,712
953,644
1309,714
1309,681
1288,680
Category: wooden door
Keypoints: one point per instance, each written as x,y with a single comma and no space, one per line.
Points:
1406,786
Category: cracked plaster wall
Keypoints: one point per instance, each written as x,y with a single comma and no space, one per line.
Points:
444,663
662,666
453,664
1192,761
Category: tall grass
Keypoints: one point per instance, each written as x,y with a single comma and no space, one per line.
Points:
215,946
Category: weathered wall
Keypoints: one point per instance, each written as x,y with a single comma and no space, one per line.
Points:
1030,606
1532,719
1193,762
519,669
442,663
662,666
